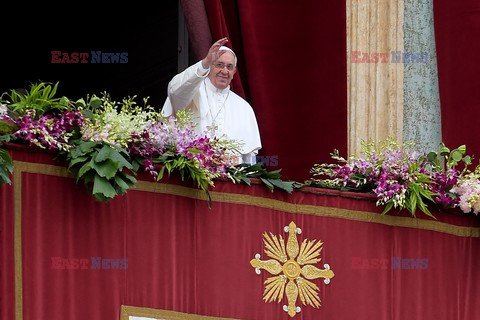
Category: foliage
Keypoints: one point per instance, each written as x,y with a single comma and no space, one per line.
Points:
404,178
396,174
114,122
6,164
445,159
244,173
173,145
445,174
51,131
7,125
40,99
102,168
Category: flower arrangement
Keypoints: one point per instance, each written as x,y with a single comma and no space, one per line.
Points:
402,177
51,131
106,142
468,191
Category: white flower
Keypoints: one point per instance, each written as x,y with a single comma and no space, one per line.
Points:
3,110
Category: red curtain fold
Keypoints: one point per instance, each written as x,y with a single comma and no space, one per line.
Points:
295,75
59,226
196,20
219,29
457,30
7,266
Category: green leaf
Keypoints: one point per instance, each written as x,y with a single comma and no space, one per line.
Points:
95,102
63,103
100,197
103,187
368,171
6,160
74,161
106,169
432,156
87,146
80,103
408,202
4,176
456,156
425,210
136,164
89,114
160,173
387,208
182,174
246,180
180,162
267,183
168,165
121,183
84,169
427,194
444,151
413,203
284,185
194,151
88,178
131,179
107,152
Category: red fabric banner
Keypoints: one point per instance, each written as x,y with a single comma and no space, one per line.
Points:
179,255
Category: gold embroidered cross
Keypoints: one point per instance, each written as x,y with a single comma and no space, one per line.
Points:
291,272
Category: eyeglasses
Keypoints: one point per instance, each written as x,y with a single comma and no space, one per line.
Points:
221,65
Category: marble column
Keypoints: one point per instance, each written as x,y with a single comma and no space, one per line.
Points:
421,100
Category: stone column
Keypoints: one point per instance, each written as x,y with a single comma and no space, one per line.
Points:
421,103
375,89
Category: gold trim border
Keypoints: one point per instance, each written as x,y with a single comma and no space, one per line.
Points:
355,215
128,311
222,197
18,168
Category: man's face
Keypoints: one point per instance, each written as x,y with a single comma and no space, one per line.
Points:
221,77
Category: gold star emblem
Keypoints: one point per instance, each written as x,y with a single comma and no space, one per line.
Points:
291,272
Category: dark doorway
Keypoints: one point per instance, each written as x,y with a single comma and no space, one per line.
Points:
149,37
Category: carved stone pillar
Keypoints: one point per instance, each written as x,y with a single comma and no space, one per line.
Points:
375,89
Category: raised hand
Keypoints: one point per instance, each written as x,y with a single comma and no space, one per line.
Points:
214,53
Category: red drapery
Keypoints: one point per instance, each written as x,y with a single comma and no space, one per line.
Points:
196,20
457,30
185,257
292,62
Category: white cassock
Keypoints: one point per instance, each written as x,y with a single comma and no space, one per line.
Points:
231,114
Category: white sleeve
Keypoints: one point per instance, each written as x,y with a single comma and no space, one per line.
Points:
201,71
249,158
183,87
